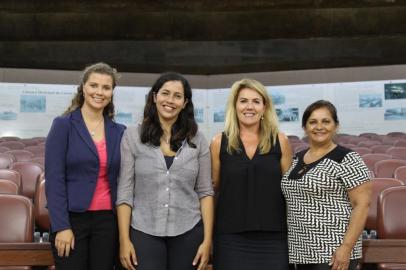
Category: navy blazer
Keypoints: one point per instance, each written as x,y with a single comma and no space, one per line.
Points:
72,166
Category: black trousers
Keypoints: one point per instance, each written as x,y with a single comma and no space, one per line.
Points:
96,242
167,253
251,251
324,266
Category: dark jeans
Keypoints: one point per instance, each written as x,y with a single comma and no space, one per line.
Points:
96,242
324,266
167,253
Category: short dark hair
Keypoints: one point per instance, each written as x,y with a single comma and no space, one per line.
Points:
317,105
185,126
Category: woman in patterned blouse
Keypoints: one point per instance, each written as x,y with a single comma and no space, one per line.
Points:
327,192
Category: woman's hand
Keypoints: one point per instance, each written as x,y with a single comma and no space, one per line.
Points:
127,254
202,255
64,242
341,258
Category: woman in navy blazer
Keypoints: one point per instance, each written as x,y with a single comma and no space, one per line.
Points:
82,162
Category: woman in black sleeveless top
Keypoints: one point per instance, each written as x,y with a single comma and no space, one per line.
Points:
248,161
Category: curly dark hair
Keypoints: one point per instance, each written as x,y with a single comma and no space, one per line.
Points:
78,99
185,126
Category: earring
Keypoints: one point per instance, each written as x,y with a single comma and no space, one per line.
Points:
262,117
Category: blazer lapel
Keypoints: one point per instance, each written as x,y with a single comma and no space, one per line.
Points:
111,139
80,126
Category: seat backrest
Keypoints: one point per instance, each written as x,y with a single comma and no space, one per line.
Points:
396,134
369,143
378,185
4,149
371,159
29,176
390,140
12,176
10,138
397,152
400,143
355,140
37,150
21,155
392,213
39,160
6,160
28,142
13,145
40,202
16,219
380,148
400,174
362,150
386,168
8,187
370,135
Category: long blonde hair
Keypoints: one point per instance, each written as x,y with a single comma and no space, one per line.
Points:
269,122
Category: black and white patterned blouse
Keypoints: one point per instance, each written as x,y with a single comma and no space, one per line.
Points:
318,205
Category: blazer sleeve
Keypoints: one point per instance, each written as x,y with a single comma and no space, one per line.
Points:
55,174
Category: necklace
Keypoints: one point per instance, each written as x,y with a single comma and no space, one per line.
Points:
314,158
93,132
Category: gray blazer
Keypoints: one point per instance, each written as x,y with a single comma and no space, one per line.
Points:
164,202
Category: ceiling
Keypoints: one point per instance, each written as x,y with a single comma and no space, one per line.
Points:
202,37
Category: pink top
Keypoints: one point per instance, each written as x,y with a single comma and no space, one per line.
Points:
101,198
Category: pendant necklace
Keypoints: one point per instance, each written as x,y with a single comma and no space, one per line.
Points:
93,132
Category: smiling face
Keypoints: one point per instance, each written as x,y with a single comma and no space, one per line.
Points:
97,91
321,127
249,107
170,101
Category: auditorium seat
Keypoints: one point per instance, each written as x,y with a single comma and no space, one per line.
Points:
40,210
4,149
386,168
39,160
397,152
16,222
362,150
380,148
8,187
356,140
10,138
12,176
378,185
37,150
390,140
392,219
400,174
371,159
369,143
396,134
29,142
400,143
16,219
29,176
13,145
293,138
21,155
6,160
349,145
369,135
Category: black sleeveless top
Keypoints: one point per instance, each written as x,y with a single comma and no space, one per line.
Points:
250,196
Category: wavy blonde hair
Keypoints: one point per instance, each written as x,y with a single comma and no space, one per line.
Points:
269,123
